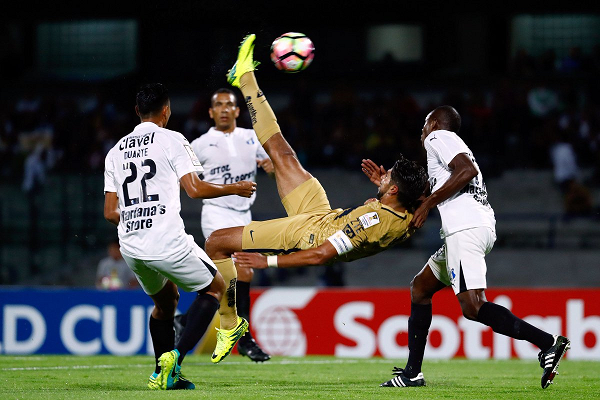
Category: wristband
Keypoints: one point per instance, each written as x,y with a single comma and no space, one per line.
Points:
272,261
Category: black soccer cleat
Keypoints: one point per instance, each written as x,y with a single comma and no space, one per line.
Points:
400,380
550,359
252,350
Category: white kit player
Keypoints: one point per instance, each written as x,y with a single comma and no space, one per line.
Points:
468,230
143,175
229,154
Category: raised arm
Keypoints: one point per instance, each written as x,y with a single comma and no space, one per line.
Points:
199,189
373,171
317,256
463,170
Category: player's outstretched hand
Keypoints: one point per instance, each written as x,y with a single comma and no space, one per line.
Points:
250,260
245,188
373,171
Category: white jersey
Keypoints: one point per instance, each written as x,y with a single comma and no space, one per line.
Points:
469,207
144,169
229,158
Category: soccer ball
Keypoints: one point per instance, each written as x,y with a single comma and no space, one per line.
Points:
292,52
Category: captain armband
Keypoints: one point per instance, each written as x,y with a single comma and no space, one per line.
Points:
341,242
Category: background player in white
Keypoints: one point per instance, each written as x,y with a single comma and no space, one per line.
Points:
228,154
143,173
468,230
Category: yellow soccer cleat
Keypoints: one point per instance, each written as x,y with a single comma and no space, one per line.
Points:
169,370
226,339
153,382
245,61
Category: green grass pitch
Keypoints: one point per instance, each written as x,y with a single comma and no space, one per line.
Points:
112,377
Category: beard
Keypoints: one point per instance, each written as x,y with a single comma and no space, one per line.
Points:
379,194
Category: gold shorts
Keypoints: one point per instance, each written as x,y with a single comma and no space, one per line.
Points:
283,235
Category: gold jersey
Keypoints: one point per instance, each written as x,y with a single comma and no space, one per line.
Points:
370,228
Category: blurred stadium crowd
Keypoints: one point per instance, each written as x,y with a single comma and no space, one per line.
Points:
543,113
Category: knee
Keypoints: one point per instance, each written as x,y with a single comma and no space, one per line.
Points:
217,287
283,155
166,309
417,293
211,246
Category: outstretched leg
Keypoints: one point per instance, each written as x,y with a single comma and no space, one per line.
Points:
552,348
289,173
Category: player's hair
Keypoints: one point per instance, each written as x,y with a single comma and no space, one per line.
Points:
151,98
448,118
411,179
223,90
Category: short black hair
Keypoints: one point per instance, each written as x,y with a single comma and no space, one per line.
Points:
448,118
223,90
411,180
151,98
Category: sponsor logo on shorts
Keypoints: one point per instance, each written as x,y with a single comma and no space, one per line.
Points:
251,232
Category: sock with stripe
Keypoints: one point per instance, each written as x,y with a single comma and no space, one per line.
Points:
263,118
227,310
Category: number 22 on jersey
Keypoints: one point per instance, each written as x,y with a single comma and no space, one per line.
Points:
131,181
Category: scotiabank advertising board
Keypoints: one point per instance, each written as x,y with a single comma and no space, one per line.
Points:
299,321
366,323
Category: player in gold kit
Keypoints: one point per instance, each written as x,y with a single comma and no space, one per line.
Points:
313,233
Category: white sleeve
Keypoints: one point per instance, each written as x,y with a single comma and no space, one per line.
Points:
184,159
197,148
109,174
446,147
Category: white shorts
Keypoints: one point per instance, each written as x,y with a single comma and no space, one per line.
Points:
460,262
192,272
214,217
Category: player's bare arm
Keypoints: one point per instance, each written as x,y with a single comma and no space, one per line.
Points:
199,189
463,170
317,256
111,208
373,171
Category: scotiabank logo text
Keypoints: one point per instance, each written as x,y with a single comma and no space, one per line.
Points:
369,323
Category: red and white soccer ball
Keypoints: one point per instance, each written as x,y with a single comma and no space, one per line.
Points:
292,52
